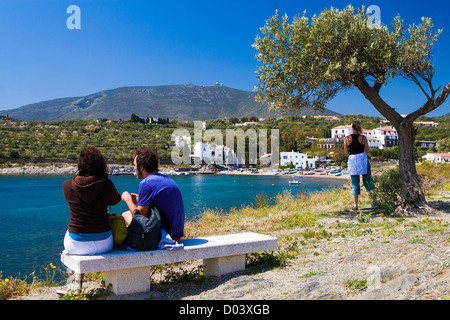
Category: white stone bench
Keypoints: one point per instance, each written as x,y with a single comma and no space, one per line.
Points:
128,271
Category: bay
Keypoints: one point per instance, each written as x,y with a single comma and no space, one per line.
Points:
34,214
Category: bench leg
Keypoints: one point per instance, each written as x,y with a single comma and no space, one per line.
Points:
127,281
223,265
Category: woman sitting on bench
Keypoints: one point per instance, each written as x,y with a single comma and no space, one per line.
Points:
89,194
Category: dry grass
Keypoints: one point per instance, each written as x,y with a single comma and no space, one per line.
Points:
287,212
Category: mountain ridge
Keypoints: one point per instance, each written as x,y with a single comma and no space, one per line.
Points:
182,102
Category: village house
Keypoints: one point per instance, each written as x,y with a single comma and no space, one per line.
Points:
428,144
327,118
215,154
427,123
383,137
299,160
437,157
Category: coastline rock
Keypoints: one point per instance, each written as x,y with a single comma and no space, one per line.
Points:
52,169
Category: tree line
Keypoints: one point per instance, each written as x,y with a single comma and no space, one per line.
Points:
35,141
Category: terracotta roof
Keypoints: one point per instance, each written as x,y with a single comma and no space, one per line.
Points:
381,129
440,154
343,127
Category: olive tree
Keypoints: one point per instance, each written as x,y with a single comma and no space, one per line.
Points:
305,63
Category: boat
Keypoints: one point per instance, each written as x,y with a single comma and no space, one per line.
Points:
294,182
338,174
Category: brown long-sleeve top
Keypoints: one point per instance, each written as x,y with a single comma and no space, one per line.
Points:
88,199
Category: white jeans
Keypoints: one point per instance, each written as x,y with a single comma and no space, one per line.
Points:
75,247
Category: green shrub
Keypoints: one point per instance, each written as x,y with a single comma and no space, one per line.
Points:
388,189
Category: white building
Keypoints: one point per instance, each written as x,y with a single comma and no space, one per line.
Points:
297,159
427,124
181,140
388,136
437,157
340,132
383,137
226,152
214,154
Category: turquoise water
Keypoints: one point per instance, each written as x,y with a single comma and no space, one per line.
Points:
34,214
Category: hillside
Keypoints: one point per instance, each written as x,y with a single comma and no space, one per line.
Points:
181,102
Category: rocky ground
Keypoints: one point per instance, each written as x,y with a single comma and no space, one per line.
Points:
399,258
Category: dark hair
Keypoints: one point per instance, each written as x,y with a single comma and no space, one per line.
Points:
356,126
91,162
148,159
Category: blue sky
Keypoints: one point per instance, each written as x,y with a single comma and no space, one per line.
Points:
147,43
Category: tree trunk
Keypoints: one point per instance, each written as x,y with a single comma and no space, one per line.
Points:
412,197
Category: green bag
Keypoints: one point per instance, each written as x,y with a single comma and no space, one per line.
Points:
118,228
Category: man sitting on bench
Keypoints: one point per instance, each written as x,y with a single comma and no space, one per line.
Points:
156,189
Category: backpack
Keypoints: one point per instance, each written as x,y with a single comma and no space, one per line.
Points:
144,233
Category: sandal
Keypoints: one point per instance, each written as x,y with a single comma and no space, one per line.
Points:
355,208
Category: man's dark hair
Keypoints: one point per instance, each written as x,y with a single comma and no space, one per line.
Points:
148,159
91,162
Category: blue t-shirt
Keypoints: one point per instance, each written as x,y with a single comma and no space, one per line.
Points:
162,192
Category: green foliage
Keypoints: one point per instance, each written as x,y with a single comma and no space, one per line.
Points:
184,275
355,284
84,294
307,62
388,189
267,259
12,287
444,145
35,140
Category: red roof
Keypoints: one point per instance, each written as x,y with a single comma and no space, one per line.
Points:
441,154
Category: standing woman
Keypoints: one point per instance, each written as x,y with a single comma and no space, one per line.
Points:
357,147
89,194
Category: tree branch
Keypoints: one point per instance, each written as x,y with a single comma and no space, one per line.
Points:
443,95
416,81
372,94
431,104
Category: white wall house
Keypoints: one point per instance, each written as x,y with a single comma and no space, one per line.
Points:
216,154
383,137
437,157
233,161
340,132
204,151
388,136
297,159
427,124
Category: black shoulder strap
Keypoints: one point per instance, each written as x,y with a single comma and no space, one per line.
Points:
164,220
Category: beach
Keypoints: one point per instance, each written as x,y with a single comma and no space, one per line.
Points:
71,169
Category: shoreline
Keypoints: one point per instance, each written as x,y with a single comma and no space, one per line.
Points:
65,169
296,175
